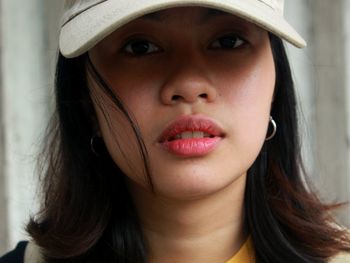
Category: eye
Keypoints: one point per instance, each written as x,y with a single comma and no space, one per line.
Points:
228,42
140,47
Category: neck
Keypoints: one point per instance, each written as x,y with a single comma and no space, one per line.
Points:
207,229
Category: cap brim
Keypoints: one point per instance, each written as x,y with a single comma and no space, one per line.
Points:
88,28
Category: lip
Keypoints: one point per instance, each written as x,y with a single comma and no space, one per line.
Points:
191,147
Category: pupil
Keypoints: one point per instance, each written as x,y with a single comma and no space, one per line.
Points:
227,42
140,47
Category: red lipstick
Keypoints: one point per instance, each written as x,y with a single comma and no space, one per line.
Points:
191,136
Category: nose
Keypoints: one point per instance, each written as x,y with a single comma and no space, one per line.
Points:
188,84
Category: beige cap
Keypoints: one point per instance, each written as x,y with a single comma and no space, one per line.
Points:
87,22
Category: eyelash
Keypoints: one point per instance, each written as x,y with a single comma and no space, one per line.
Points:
236,38
128,48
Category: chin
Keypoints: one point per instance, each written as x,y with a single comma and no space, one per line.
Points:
195,185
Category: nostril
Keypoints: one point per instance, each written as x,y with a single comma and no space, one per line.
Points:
179,97
176,97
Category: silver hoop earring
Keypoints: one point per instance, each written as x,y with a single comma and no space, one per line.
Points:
94,145
274,129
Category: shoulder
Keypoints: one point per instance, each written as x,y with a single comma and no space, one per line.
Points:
16,255
341,258
25,252
32,254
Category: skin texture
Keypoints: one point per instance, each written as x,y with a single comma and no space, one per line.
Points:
196,214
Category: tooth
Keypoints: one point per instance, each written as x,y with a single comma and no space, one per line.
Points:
186,135
198,134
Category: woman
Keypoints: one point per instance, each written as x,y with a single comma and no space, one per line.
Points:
175,140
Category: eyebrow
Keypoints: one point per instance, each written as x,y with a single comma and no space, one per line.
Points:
210,14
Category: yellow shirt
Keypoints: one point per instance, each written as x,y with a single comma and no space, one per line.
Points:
245,254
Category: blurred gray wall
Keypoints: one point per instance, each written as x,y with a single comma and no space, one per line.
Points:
28,37
331,96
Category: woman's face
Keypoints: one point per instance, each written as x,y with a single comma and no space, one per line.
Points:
199,84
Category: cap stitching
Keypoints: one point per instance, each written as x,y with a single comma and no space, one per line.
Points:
81,11
269,3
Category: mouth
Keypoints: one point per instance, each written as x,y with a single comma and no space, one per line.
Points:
191,136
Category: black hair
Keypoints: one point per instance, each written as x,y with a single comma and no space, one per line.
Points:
88,215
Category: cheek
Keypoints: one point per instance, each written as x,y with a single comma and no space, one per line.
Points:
252,93
250,86
139,93
248,92
121,141
251,83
